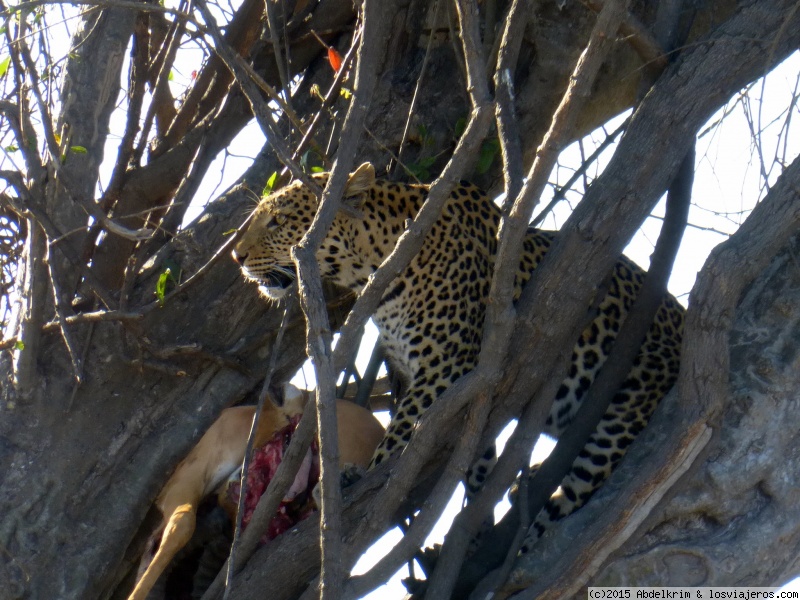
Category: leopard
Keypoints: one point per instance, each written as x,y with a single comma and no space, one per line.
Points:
431,317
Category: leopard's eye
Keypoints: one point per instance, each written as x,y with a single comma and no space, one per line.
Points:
276,221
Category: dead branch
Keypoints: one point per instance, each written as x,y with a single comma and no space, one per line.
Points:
431,510
595,234
608,381
507,133
263,397
683,427
638,36
318,335
500,314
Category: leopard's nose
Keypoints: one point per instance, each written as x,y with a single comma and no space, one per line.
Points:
239,258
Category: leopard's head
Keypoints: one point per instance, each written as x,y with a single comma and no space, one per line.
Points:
280,221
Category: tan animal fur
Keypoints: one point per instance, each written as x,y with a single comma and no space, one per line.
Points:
220,452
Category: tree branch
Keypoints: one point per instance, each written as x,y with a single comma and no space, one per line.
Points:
318,335
269,502
248,453
682,427
622,196
609,379
431,510
500,314
508,54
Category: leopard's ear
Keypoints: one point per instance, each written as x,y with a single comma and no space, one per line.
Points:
358,185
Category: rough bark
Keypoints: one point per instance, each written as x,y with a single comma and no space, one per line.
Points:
709,496
79,466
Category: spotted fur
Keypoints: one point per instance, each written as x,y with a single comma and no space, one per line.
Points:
430,320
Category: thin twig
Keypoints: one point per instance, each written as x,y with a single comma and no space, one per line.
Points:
137,82
318,335
19,115
262,398
270,91
39,215
333,93
88,205
431,510
61,311
20,48
617,366
213,81
500,313
275,38
223,250
134,6
561,191
87,346
271,499
251,92
417,87
487,588
165,59
507,132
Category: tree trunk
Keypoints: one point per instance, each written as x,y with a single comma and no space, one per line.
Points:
709,496
712,487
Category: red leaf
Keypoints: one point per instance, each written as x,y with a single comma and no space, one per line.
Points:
335,59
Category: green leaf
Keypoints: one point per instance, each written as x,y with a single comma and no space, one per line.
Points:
317,170
310,161
229,232
19,345
171,76
161,284
11,148
270,184
420,169
79,150
461,127
489,150
4,66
